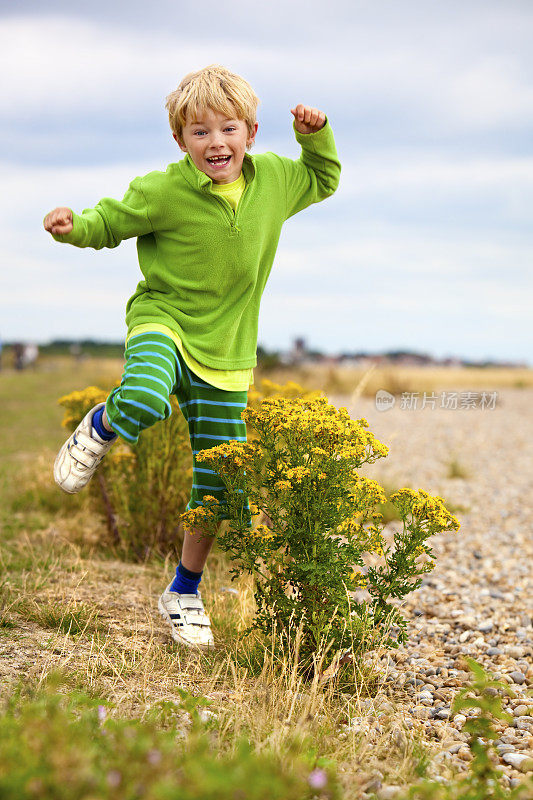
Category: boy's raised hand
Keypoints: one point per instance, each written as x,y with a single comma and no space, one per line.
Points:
307,119
58,221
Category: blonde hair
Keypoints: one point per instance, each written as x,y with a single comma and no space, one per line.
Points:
213,87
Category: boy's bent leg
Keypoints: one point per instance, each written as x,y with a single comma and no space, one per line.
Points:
150,375
141,399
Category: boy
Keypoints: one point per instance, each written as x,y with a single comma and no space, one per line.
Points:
207,231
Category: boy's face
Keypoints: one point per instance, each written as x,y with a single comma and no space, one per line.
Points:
211,134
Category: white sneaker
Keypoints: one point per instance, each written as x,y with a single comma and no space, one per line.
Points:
80,455
186,614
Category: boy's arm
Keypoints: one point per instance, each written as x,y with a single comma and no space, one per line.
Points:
315,175
110,221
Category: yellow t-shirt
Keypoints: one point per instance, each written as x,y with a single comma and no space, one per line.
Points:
231,191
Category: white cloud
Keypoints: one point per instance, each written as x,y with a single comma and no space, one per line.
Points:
455,76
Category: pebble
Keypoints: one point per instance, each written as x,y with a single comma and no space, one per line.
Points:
517,676
476,602
514,652
388,792
520,761
505,748
455,747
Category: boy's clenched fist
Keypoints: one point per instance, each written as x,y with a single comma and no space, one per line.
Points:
58,221
307,119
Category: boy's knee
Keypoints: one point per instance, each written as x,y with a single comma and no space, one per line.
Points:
141,405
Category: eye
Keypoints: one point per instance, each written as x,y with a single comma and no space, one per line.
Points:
230,128
197,132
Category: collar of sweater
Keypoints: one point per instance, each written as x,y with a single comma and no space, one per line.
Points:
200,180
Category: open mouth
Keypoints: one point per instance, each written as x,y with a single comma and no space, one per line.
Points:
219,161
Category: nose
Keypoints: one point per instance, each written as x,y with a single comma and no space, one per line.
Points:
217,139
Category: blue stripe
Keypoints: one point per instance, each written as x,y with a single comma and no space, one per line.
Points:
157,355
150,378
201,469
220,438
152,366
214,403
125,416
157,344
145,408
154,394
216,419
122,432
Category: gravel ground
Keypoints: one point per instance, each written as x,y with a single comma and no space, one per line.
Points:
478,600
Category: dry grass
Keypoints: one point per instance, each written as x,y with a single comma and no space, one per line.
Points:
347,380
96,621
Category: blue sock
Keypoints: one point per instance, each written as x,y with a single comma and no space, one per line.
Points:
185,582
98,425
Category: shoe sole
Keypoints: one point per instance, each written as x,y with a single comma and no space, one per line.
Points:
175,635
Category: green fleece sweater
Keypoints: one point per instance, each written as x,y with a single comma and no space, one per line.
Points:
204,266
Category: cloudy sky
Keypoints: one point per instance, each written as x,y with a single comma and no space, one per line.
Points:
426,245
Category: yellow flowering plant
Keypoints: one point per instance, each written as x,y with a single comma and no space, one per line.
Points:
300,468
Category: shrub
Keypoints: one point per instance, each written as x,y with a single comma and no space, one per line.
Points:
310,562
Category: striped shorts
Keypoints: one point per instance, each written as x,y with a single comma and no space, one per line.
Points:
154,370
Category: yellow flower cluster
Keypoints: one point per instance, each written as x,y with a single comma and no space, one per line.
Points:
369,491
232,450
374,542
203,517
78,403
316,421
282,485
359,579
297,474
423,506
264,532
369,537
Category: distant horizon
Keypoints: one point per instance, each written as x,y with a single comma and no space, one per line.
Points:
356,352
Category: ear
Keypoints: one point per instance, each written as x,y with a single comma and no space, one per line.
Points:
180,143
251,139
